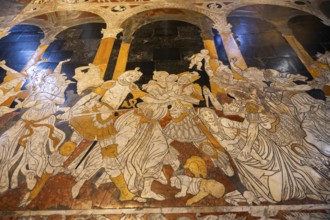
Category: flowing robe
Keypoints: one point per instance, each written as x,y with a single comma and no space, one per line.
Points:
281,178
29,142
143,156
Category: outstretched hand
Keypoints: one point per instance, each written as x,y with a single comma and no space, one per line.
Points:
245,152
180,194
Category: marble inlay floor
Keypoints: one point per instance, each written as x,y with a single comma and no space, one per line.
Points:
164,110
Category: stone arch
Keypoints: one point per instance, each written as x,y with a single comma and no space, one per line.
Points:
44,21
293,13
30,15
165,43
286,13
23,40
44,25
49,29
165,46
76,37
79,43
259,36
311,33
137,21
183,6
234,6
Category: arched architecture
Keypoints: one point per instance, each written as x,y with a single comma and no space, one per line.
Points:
165,109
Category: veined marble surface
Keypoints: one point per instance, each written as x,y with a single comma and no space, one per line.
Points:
216,139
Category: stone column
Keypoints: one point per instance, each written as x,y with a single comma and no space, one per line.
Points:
302,54
305,58
122,56
230,45
104,51
209,44
311,65
50,36
44,43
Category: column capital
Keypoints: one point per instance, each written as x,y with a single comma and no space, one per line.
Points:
111,32
282,27
223,27
47,40
285,30
51,33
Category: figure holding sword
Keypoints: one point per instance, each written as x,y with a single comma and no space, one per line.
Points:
92,119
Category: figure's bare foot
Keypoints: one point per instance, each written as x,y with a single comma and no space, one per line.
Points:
152,195
139,199
25,201
180,195
251,198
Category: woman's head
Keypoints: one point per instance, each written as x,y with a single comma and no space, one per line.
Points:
131,75
160,76
208,115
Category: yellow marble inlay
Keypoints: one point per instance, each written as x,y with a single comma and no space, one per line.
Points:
103,54
121,60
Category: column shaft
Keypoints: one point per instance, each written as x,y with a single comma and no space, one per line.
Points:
305,58
210,46
10,76
121,60
36,57
103,54
233,51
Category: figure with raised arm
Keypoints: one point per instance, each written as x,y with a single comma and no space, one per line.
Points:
29,142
